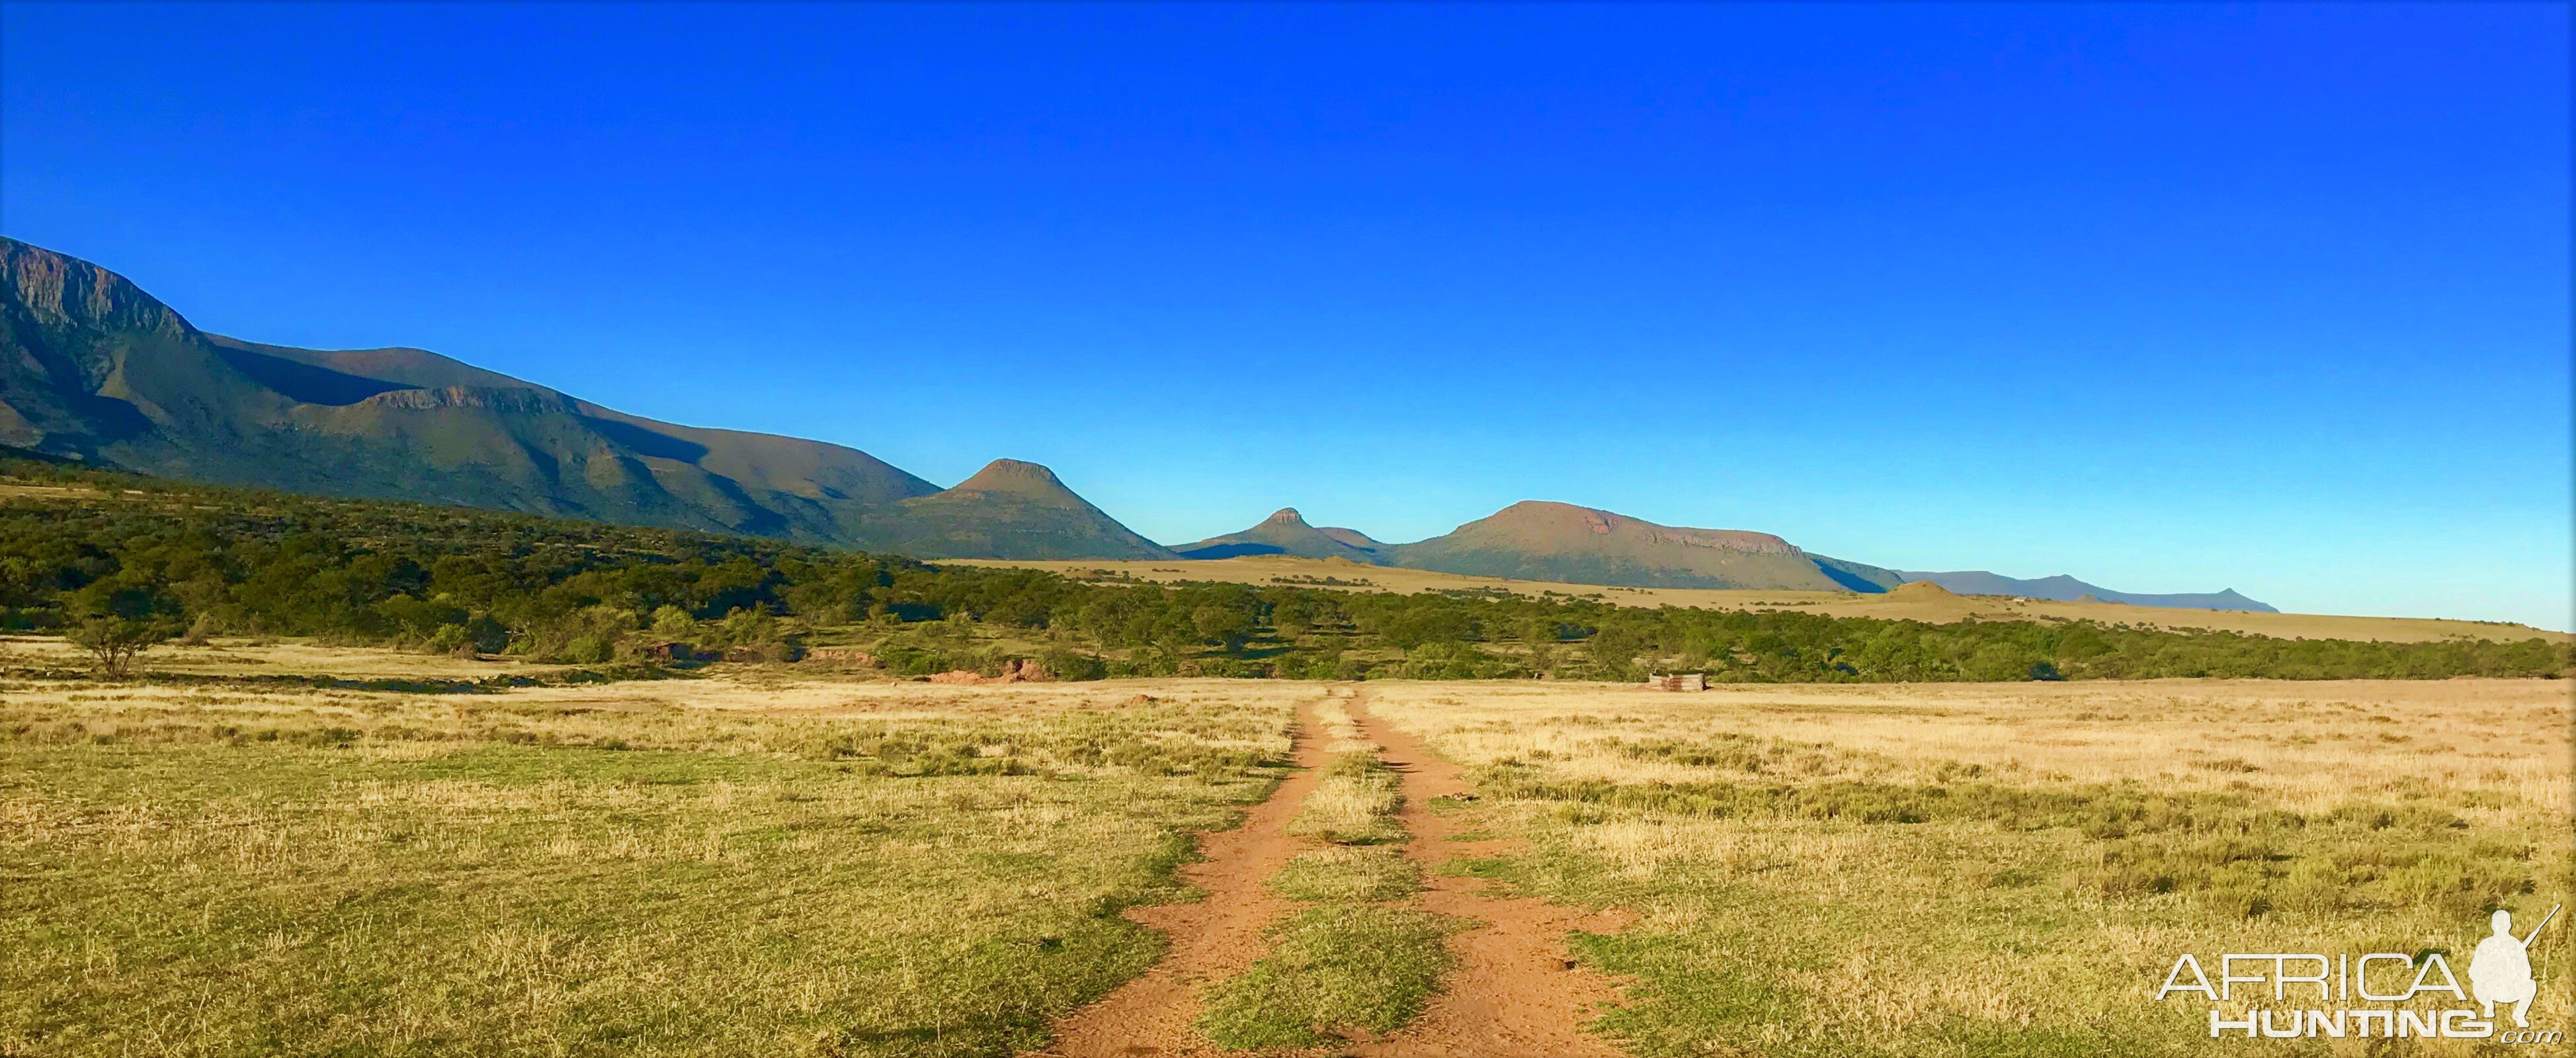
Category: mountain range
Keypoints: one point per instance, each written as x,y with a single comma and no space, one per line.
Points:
2064,588
94,369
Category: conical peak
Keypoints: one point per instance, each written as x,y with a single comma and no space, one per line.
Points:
1284,516
1012,475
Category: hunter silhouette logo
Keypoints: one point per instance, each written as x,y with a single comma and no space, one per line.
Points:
2500,970
2499,976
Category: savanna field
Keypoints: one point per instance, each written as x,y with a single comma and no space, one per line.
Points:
281,775
231,859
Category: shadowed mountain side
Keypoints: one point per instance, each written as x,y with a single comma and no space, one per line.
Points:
1359,541
1009,506
1537,540
1858,576
2063,588
93,368
1285,532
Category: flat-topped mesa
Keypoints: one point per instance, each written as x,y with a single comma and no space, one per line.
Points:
1545,540
1566,522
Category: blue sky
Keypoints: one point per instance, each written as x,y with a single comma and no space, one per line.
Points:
2169,297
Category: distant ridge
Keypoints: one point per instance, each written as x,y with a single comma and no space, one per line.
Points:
1357,540
1285,532
1546,541
1014,506
2063,588
94,369
1541,540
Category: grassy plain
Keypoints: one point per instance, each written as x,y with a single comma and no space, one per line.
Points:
1343,573
789,860
747,863
2010,869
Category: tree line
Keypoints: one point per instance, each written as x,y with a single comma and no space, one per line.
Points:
127,562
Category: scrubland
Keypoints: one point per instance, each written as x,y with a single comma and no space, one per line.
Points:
2010,869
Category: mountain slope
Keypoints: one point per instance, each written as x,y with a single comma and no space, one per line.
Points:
95,369
1285,532
1538,540
2063,588
1378,551
1010,506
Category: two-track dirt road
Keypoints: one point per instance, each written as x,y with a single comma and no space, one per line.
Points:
1212,939
1515,992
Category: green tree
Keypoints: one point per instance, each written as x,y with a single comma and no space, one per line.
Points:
1222,626
116,620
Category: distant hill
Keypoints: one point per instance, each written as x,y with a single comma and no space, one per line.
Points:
1539,540
1285,532
1358,541
1010,506
1545,541
2063,588
93,368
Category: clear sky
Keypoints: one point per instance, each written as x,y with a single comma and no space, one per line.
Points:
2169,297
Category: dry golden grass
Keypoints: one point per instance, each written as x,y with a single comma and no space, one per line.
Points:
1356,801
1956,869
257,658
2306,745
758,863
1307,572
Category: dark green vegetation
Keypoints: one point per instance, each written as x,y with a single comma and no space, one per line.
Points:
94,369
216,560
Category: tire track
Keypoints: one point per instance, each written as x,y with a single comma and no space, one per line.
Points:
1516,991
1214,938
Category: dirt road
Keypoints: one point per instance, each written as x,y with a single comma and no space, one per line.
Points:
1515,991
1212,939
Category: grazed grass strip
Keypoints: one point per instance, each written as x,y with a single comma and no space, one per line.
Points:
1349,874
1332,966
1356,802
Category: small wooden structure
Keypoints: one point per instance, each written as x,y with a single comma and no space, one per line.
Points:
1685,681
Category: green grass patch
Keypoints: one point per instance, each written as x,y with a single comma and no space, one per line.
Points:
1349,874
1339,966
